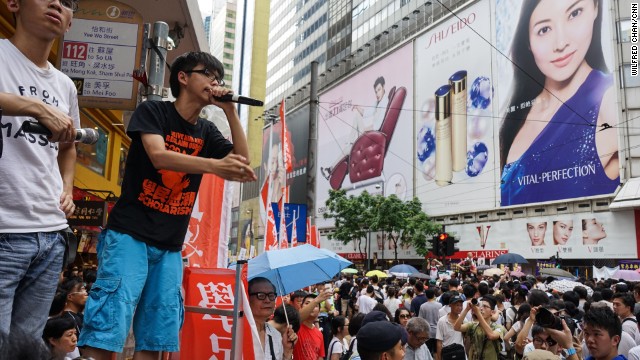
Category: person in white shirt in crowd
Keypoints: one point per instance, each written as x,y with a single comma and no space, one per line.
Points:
433,269
430,312
416,349
339,343
392,302
634,353
446,336
366,302
623,304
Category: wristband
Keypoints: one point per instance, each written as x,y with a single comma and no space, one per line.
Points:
571,351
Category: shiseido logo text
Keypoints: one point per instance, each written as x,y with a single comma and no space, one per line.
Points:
458,25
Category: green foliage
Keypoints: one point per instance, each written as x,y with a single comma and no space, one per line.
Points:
402,221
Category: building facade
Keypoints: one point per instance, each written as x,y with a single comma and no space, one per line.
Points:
434,54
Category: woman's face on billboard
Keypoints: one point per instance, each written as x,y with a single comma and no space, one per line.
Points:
560,33
562,231
536,233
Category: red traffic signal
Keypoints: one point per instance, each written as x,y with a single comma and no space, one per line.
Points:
443,236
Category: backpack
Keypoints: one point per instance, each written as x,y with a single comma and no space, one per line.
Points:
378,295
347,355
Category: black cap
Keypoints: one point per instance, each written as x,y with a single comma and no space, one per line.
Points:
455,299
374,316
378,336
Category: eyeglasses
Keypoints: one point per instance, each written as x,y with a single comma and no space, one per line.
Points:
208,74
404,316
71,5
550,342
82,290
263,295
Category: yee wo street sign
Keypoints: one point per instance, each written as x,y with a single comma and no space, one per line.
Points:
100,52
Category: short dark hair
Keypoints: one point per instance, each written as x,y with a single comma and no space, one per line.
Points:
337,323
312,296
188,61
469,291
537,298
379,80
607,294
430,293
491,300
259,280
298,294
571,296
56,326
604,318
20,345
292,315
419,286
355,324
626,298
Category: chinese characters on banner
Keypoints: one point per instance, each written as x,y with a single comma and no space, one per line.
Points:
209,336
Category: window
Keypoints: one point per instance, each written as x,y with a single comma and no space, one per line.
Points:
93,157
624,31
628,80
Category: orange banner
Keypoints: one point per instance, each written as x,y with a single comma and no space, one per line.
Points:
209,336
206,244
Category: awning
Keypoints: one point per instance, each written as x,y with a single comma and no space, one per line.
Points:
628,197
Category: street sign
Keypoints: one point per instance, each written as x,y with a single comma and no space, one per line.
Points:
99,54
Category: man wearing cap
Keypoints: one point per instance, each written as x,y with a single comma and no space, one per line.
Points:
416,349
446,335
380,340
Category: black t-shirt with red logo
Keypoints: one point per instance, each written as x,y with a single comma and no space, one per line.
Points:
155,205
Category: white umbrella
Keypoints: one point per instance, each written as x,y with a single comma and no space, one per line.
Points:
567,285
493,271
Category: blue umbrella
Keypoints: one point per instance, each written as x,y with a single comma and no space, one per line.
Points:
295,268
510,258
403,269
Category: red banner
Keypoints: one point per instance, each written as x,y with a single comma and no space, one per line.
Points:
209,336
202,246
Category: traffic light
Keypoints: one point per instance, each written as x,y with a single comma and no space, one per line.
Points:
443,239
435,245
451,245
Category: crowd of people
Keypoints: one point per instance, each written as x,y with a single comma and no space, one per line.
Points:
476,317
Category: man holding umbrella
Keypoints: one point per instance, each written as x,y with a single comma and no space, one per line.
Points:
262,296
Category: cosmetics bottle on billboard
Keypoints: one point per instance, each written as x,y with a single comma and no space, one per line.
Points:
458,82
444,172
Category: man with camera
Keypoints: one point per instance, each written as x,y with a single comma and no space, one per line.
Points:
486,335
550,332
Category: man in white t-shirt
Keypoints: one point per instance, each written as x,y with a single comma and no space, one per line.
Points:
623,304
446,335
36,171
366,302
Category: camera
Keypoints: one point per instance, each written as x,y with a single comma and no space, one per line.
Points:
546,319
474,301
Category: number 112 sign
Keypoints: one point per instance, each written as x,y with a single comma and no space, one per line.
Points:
100,52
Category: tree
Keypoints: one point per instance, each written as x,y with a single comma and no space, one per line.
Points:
403,222
351,215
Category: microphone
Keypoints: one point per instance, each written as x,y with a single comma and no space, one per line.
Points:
239,99
86,136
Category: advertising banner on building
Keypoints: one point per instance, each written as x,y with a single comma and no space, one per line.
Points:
558,114
602,235
454,122
272,163
365,132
